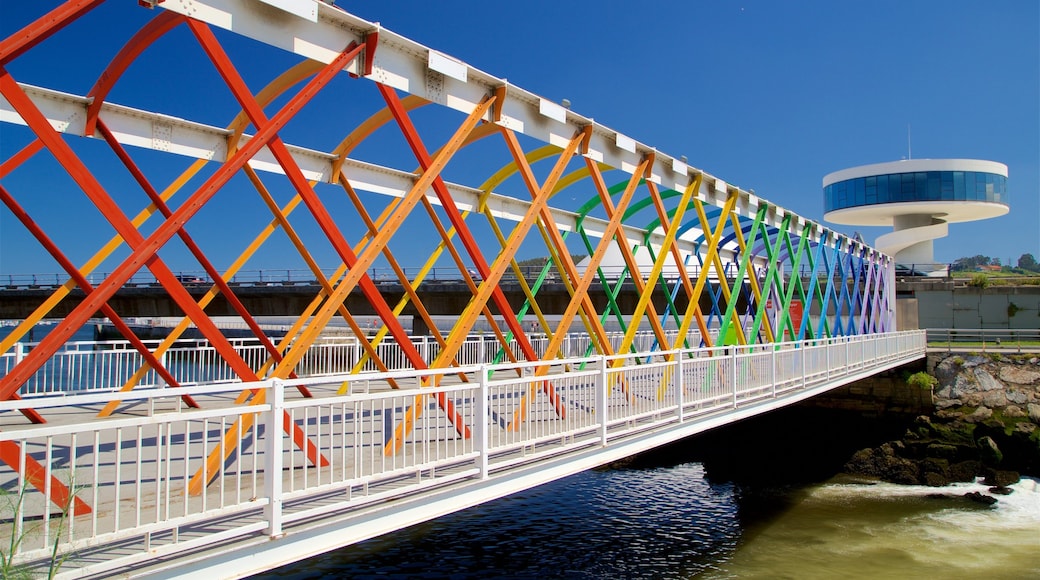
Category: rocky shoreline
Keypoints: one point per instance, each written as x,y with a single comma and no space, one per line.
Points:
985,423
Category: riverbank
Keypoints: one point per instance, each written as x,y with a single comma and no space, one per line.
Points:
984,422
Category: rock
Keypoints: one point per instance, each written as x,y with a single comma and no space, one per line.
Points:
981,498
974,361
949,414
986,381
979,415
1034,412
989,451
1001,490
994,399
942,451
884,464
946,403
864,462
935,480
1025,427
972,399
965,471
1001,477
963,385
1019,376
1017,397
947,370
1013,411
901,471
943,496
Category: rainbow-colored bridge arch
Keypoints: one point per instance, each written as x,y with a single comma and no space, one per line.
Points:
414,128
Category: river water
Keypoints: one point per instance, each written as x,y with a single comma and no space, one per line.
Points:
663,518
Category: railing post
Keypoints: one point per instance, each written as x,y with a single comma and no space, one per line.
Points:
733,373
829,344
162,361
679,388
480,421
601,400
772,364
273,459
803,363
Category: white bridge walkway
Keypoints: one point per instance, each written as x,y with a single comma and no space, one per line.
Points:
483,432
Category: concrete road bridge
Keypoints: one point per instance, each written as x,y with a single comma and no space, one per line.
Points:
169,456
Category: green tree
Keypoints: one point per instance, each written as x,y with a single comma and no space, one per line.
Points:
1028,262
971,263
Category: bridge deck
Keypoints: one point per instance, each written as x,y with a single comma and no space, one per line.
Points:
474,440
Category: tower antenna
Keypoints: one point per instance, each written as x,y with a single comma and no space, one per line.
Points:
909,153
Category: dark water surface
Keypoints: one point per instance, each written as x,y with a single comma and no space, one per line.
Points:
670,522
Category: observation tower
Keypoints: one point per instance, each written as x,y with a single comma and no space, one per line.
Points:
918,198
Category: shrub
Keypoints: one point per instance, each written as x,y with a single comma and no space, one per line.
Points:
979,280
922,380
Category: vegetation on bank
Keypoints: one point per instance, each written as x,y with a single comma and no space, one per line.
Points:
983,271
1027,265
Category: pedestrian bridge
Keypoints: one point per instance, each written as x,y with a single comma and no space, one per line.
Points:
230,489
296,136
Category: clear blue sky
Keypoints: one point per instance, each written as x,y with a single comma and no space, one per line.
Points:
769,96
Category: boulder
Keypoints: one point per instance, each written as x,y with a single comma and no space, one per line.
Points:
986,381
994,399
1025,427
883,463
947,370
1034,412
989,452
1013,411
974,361
965,471
979,415
982,498
942,451
963,385
946,403
1017,397
1001,477
1019,376
935,480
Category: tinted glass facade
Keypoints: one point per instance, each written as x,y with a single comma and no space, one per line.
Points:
918,186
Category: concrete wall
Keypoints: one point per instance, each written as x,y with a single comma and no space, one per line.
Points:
975,308
885,394
906,314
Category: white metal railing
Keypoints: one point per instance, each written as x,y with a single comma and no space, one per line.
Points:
1020,339
134,471
94,366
